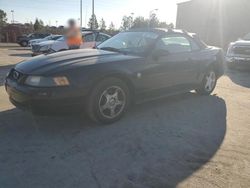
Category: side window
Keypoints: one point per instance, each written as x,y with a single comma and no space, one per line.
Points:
174,44
194,45
101,38
38,36
89,37
56,37
33,36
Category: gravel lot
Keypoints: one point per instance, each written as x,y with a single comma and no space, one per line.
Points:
182,141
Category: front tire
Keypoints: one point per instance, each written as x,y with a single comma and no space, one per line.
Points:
108,101
208,83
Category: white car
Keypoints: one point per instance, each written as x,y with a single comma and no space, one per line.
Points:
238,53
91,39
50,37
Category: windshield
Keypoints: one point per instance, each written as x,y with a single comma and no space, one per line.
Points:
61,39
130,42
48,37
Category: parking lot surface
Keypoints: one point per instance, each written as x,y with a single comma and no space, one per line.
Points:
182,141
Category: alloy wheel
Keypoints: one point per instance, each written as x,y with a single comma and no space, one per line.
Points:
112,102
210,81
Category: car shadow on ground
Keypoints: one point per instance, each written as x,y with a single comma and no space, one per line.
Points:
22,55
3,72
240,76
20,48
157,144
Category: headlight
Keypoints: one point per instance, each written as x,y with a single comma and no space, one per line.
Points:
45,48
41,81
229,59
230,50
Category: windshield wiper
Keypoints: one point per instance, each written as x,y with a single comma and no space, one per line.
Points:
110,49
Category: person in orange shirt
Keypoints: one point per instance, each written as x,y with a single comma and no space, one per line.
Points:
73,35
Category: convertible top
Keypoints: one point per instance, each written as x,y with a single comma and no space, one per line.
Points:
162,31
157,30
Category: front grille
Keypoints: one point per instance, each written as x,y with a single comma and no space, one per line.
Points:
35,48
242,50
16,76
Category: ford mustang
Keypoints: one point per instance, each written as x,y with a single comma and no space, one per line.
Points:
131,67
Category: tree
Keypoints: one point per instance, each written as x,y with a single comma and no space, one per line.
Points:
171,26
102,25
38,25
3,18
127,22
140,22
41,23
111,27
163,25
153,20
93,24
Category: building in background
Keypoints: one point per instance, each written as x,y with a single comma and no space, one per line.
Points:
218,22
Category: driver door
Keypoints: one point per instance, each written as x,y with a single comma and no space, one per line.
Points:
173,63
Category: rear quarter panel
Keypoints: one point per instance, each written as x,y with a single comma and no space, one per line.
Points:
211,57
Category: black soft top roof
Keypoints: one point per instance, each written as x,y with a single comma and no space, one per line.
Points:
158,30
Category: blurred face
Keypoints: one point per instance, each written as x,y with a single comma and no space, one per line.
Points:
71,23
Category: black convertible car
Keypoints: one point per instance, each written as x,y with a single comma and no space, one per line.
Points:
132,66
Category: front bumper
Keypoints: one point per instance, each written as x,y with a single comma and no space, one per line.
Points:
238,61
36,53
44,99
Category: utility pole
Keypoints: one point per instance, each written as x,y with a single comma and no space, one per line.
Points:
93,14
150,14
132,20
12,11
81,14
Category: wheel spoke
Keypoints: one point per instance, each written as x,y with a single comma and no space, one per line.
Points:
115,95
210,81
118,102
105,106
112,112
105,94
207,84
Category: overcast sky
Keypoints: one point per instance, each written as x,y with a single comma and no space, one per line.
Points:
51,11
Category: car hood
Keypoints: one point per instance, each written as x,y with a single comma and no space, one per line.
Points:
45,43
241,43
36,40
56,62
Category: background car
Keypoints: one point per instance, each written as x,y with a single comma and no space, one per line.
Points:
238,53
91,39
24,39
132,66
50,37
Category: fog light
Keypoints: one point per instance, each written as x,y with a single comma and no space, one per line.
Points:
61,81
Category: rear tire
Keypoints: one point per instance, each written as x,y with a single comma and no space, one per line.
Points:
24,43
108,101
208,83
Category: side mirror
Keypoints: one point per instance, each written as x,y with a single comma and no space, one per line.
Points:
160,53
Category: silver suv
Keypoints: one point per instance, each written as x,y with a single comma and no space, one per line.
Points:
238,53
